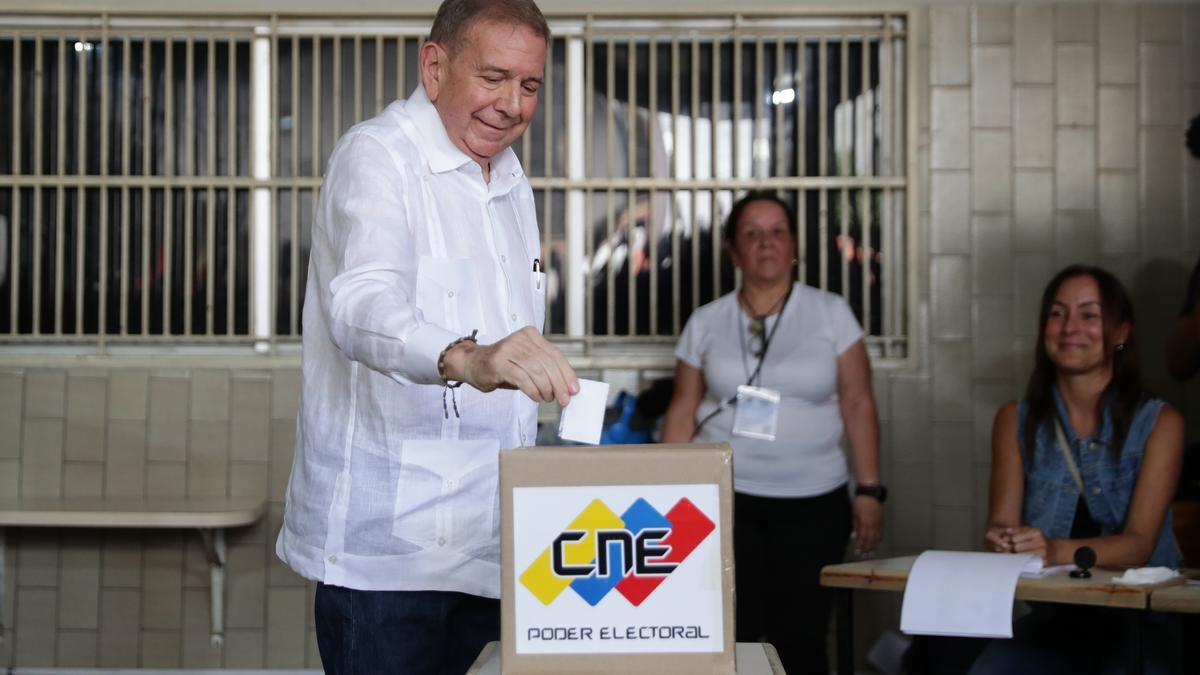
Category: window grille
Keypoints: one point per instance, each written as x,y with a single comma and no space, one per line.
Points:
163,173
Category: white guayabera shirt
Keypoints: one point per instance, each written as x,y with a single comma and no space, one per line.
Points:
410,251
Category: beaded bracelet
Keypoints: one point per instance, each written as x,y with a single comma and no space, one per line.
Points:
441,368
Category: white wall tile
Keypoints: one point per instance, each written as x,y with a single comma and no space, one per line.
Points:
991,90
1161,22
951,217
1075,88
1074,22
1118,44
950,146
1031,272
992,24
951,380
952,460
1033,215
1117,128
1075,169
991,170
991,258
1033,117
1118,194
1161,84
950,295
992,323
1033,44
950,41
1078,238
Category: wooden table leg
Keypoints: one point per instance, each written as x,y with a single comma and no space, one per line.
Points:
845,631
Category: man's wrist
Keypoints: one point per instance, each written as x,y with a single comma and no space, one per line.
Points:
449,362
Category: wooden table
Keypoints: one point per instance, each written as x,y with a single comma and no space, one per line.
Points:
753,658
210,517
891,574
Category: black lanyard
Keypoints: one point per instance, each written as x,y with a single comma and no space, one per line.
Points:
767,337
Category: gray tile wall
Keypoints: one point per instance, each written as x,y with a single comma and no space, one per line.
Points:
1049,134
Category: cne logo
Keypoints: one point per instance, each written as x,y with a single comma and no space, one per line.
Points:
633,552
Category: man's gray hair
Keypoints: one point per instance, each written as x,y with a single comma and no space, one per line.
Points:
455,18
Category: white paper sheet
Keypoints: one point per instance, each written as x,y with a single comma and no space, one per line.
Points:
962,593
583,417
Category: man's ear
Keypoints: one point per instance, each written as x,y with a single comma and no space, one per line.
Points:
433,61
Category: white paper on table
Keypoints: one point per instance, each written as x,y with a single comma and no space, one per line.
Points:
583,417
962,593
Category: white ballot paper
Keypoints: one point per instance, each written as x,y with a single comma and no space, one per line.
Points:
962,593
582,419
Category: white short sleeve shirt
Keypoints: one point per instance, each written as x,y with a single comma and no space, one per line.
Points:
411,250
805,458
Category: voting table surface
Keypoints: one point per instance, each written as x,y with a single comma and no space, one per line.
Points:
891,574
753,658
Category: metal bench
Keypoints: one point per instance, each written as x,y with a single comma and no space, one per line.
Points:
209,516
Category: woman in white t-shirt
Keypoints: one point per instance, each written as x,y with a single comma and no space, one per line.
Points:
801,350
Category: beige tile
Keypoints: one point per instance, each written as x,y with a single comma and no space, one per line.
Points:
909,397
250,433
10,478
1118,125
79,590
195,564
952,464
950,296
950,142
949,39
208,461
1161,23
127,394
953,528
989,396
41,457
166,479
1075,169
83,479
45,393
312,657
1075,89
1161,84
909,441
950,222
244,648
1162,168
285,393
1118,212
992,322
1078,237
286,632
36,608
162,580
1163,231
951,380
991,170
1033,218
248,479
161,648
991,104
168,423
125,468
1031,272
210,390
121,559
198,652
910,513
246,584
992,24
1118,44
992,254
1033,117
283,446
12,394
120,621
1033,44
1075,22
86,413
37,558
77,649
278,573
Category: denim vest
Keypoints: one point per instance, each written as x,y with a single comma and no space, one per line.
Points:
1051,496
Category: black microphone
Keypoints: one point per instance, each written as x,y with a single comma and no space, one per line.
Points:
1085,559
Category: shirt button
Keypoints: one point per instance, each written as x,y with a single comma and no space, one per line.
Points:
522,438
1096,490
449,294
333,558
513,317
503,258
441,541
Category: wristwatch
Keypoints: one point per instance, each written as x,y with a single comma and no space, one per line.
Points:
879,492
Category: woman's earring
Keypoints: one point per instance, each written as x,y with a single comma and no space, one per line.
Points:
1120,346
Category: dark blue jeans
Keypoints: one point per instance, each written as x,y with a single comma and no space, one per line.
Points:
402,632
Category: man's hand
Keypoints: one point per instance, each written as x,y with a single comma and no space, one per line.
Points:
868,524
524,360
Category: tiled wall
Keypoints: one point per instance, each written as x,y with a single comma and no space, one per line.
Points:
1049,134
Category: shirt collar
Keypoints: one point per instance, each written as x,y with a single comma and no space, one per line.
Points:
444,156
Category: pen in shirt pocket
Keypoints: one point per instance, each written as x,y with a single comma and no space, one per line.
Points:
537,264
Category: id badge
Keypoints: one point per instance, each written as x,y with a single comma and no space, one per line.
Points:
756,413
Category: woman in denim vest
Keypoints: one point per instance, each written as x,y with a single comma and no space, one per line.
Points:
1114,492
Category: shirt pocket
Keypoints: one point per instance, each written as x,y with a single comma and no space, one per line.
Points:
447,493
447,294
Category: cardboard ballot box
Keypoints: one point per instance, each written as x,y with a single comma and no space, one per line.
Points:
617,559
